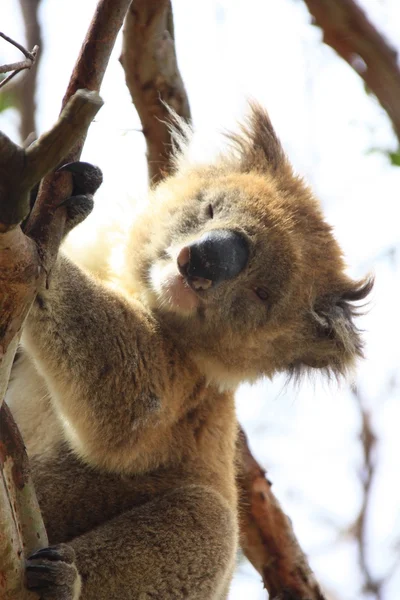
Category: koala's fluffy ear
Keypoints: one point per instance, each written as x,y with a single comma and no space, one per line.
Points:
258,146
336,341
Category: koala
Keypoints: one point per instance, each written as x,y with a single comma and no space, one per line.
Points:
124,393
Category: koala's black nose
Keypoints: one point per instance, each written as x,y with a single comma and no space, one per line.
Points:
215,257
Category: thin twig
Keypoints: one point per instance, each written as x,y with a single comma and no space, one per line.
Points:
4,81
371,584
24,51
18,66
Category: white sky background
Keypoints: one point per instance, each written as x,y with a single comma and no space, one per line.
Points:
228,51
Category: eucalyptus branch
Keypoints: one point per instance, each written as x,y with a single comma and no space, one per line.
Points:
25,90
347,29
267,536
153,79
21,169
21,266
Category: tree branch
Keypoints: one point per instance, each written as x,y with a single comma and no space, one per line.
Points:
26,88
21,262
88,73
347,29
153,78
22,169
20,268
371,585
25,52
28,63
267,536
18,66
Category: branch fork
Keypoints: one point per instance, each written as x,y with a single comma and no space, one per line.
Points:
17,67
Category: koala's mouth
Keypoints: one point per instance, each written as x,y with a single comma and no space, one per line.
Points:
173,291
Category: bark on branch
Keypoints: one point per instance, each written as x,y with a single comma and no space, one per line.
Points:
347,29
26,86
267,536
21,262
21,169
21,525
88,73
152,76
20,269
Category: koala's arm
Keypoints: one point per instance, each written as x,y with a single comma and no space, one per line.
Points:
105,362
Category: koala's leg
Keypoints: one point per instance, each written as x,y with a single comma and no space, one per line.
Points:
180,546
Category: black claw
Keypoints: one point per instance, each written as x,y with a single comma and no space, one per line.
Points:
61,552
39,575
87,178
78,166
44,569
46,553
80,204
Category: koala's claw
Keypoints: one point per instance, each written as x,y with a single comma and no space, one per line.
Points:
78,208
86,177
51,572
61,552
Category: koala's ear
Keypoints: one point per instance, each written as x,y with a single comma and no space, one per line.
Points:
258,145
336,341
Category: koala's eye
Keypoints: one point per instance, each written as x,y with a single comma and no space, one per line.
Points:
262,293
210,211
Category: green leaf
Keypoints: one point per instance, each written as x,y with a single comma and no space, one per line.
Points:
394,158
7,98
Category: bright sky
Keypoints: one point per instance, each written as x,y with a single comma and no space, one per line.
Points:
229,51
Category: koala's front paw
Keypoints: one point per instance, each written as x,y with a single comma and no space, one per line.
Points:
86,180
51,572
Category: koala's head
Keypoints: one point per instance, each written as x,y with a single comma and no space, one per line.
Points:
236,260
